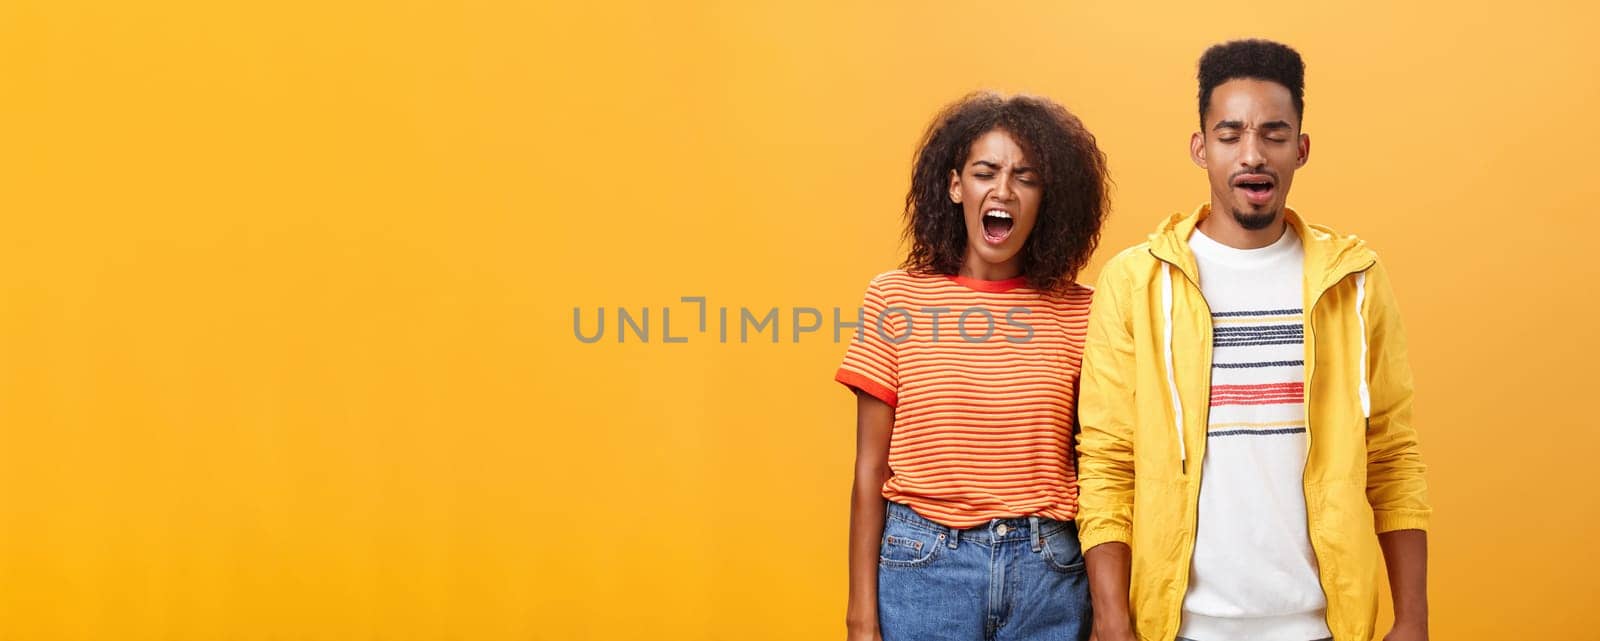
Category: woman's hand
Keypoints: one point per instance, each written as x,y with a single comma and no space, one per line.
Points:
874,423
863,632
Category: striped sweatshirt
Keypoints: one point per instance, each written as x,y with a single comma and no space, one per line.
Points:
983,378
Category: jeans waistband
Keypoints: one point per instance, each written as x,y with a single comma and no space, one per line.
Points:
1001,530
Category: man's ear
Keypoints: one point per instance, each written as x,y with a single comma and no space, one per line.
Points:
1197,149
1305,151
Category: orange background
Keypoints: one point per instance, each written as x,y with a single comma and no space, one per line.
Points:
286,294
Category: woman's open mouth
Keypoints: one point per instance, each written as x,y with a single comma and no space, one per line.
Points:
996,226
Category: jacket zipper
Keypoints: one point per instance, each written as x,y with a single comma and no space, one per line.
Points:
1310,349
1194,530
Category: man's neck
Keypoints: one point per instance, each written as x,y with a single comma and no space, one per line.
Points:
1221,227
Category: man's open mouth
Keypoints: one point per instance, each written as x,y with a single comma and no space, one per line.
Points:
1256,189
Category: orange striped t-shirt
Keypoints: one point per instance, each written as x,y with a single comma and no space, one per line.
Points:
983,412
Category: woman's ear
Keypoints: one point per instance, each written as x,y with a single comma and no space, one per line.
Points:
955,187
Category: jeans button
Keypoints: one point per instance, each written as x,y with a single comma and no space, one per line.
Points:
1002,529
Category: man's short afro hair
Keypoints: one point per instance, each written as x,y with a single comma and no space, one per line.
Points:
1256,59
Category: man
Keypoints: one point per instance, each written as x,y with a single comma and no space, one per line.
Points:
1246,443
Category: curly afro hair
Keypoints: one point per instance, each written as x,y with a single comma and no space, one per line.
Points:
1071,167
1254,59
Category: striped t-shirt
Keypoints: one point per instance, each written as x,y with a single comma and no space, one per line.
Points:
983,376
1253,574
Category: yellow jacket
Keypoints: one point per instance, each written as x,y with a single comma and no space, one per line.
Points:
1146,379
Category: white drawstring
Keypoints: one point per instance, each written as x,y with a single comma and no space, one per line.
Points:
1361,296
1172,382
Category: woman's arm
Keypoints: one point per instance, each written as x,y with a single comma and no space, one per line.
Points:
874,422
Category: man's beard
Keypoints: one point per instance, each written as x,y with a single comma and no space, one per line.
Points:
1257,221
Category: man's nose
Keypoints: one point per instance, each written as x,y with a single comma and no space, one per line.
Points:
1251,156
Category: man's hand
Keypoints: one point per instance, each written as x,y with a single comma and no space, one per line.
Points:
1404,631
1109,568
1124,634
1405,552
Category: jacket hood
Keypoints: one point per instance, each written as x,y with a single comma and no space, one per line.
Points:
1329,256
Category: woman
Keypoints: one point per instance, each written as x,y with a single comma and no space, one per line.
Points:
965,368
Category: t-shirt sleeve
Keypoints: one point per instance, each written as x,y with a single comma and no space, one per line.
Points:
871,363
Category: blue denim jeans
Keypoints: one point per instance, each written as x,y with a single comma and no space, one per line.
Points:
1008,579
